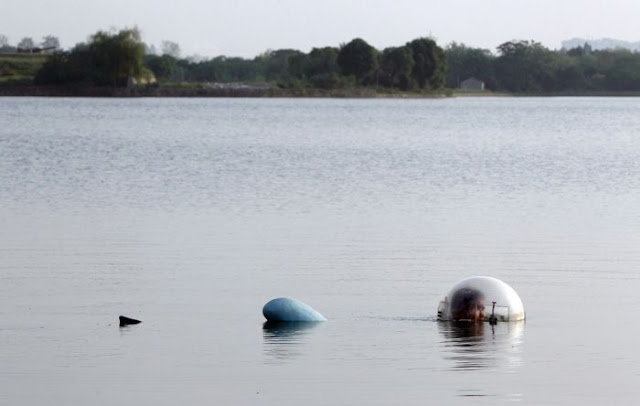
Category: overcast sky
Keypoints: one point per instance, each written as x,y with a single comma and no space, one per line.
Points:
249,27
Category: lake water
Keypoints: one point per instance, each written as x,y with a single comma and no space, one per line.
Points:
191,214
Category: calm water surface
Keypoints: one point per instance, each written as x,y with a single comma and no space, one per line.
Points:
190,214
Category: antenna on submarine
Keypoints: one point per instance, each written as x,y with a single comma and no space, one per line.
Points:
493,320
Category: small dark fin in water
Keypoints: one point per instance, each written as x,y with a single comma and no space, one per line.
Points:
125,321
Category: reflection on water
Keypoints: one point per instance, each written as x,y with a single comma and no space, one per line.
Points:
473,346
283,341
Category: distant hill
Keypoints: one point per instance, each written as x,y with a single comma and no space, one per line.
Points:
602,43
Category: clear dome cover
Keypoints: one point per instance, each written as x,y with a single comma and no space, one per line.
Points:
481,298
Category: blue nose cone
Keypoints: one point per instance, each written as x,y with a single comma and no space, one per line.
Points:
287,309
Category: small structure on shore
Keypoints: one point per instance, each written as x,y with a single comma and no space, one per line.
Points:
146,79
472,84
287,309
35,50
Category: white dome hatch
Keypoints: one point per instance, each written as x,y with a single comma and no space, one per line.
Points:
481,298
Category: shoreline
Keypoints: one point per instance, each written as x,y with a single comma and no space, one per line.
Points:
258,92
166,91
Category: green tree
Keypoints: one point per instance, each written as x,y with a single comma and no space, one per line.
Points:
80,65
220,69
322,60
622,70
108,59
569,72
430,63
525,66
396,65
359,59
283,66
322,70
163,67
116,57
54,71
465,62
297,65
66,67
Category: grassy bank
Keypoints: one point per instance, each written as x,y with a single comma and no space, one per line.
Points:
19,69
201,91
26,89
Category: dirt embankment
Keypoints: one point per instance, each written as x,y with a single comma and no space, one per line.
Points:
161,91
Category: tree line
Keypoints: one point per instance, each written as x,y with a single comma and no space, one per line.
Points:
27,43
112,58
529,67
421,64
